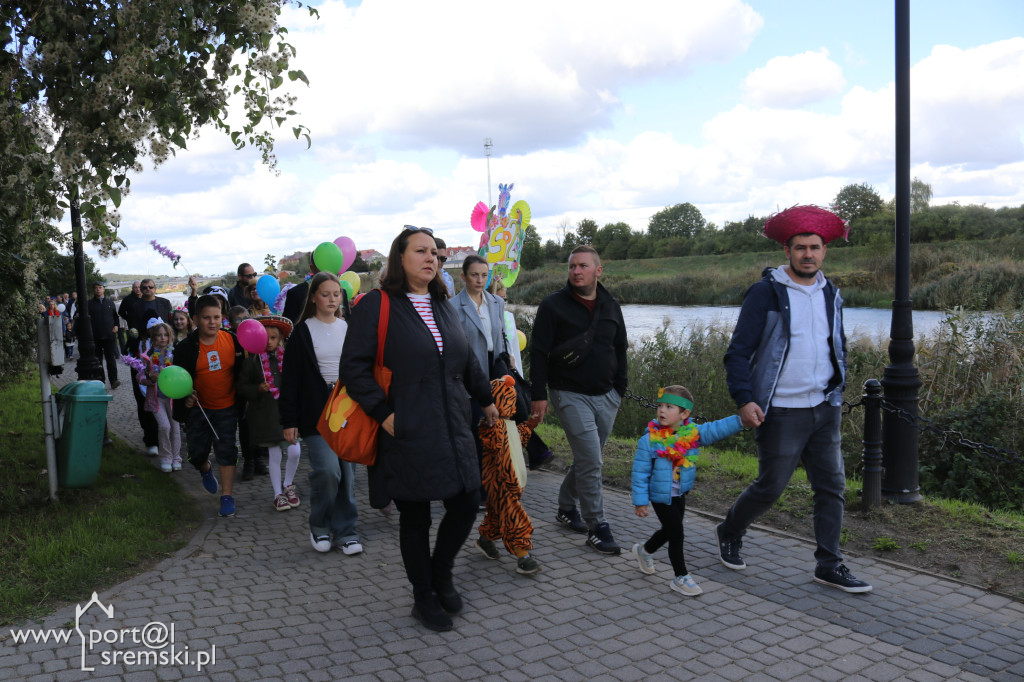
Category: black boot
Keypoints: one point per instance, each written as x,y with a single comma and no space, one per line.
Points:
247,469
427,610
449,598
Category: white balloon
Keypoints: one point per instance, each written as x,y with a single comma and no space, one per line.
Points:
61,308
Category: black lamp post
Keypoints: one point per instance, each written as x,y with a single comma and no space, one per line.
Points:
89,367
900,380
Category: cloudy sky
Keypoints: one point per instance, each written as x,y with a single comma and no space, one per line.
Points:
601,110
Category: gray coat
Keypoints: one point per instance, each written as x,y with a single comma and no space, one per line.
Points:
465,308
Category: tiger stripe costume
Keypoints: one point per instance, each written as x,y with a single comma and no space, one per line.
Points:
505,517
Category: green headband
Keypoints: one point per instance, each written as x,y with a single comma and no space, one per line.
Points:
673,399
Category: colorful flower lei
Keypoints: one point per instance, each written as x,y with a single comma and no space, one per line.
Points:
674,444
267,376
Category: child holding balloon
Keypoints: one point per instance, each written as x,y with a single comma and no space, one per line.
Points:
157,355
260,386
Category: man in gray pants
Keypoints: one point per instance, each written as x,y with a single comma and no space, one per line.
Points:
578,350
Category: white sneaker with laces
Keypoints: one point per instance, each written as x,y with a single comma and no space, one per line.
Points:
321,543
644,560
685,584
153,451
351,547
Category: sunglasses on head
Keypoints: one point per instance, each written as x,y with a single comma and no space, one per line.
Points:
418,229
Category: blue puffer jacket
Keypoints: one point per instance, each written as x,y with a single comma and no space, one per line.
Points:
761,340
652,475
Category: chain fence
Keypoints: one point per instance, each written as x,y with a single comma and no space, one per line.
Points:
645,402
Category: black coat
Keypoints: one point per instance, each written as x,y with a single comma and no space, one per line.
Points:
432,455
295,300
561,317
102,317
303,389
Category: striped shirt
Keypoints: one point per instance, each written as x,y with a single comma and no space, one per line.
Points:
421,302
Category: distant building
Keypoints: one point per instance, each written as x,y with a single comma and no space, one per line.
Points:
457,254
371,256
293,261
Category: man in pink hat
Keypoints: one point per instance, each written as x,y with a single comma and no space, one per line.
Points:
786,369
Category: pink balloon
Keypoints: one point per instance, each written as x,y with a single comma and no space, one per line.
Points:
348,252
252,336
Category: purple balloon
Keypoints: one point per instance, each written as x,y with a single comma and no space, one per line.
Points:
348,252
252,336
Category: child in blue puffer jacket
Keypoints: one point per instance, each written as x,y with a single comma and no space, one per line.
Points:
664,471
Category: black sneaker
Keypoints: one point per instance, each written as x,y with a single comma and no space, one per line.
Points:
489,549
427,610
729,551
571,519
841,578
600,538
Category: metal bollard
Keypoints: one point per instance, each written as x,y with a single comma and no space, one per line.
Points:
872,458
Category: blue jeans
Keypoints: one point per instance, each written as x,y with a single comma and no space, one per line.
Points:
332,501
587,421
787,437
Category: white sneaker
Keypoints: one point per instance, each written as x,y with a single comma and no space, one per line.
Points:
685,584
165,467
153,451
644,560
176,466
321,543
352,547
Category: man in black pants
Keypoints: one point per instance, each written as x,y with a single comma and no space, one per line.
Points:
103,317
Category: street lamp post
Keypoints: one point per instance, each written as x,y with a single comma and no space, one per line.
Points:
487,152
900,380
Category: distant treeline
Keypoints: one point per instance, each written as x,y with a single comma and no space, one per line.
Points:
681,230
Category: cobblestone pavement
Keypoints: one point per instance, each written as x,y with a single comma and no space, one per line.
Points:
252,590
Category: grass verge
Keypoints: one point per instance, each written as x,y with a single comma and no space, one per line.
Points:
961,540
59,552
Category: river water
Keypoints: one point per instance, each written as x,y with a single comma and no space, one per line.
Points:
645,320
868,323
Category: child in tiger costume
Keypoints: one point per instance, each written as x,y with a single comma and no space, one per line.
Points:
504,477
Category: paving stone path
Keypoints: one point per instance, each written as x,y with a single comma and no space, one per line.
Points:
252,590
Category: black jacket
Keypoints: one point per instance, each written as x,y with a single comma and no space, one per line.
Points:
294,301
141,311
103,318
303,389
186,354
560,317
126,305
432,455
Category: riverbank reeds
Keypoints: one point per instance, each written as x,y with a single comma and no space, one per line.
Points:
972,372
978,275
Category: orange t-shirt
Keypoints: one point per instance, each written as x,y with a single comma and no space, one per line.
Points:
215,373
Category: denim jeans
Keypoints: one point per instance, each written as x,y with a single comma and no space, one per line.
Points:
332,499
587,421
787,437
199,437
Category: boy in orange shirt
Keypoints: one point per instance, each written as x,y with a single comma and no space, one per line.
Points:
213,357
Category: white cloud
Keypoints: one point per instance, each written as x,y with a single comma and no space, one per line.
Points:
448,74
790,82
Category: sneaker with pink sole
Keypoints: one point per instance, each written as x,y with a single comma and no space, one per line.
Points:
292,495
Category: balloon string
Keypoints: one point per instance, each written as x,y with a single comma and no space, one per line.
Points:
213,430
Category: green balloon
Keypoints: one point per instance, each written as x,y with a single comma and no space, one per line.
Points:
328,258
347,288
175,382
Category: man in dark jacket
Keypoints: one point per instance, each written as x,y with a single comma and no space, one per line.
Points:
786,369
148,306
246,276
579,351
122,310
103,318
295,299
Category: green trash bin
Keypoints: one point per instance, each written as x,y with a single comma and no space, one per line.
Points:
84,408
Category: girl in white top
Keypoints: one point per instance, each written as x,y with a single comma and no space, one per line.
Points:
320,333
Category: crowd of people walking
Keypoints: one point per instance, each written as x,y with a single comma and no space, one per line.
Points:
450,357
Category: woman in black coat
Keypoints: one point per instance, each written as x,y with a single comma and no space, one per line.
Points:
426,449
